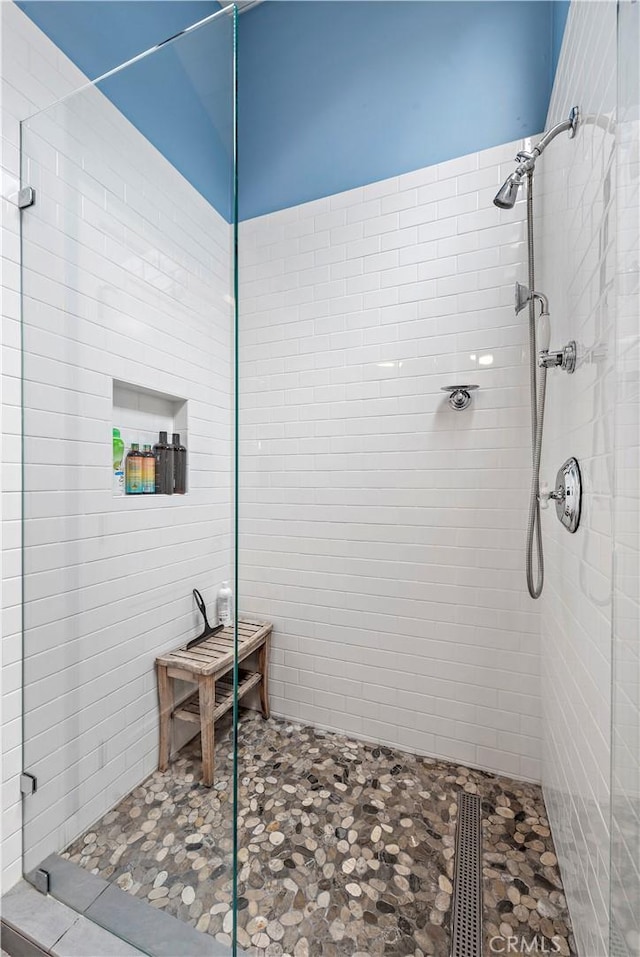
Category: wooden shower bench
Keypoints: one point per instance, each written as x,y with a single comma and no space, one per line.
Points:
209,665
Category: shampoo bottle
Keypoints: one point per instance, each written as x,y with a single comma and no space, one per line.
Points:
148,471
133,470
118,455
164,466
225,615
179,466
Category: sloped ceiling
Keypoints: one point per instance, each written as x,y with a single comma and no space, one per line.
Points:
179,97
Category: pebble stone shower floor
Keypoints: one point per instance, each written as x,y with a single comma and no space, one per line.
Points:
345,848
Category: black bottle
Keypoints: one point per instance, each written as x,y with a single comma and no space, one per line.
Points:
179,465
163,453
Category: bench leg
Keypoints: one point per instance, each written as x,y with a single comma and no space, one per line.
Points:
165,695
263,668
207,694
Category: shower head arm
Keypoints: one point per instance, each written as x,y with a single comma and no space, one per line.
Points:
506,196
527,161
570,125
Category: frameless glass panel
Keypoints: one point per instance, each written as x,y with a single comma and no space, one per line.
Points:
625,751
129,333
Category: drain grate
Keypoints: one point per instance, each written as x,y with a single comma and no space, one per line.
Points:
466,926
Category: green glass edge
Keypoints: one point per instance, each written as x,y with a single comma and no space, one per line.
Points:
23,668
234,897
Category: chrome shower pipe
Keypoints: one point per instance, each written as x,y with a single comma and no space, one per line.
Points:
528,160
569,125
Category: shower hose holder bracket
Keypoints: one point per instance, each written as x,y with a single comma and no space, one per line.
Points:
561,359
26,197
28,784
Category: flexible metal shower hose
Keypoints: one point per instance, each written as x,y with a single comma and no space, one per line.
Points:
538,382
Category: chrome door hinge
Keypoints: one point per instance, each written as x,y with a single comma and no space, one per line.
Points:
26,197
41,880
28,784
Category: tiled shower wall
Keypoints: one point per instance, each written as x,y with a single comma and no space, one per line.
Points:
577,269
127,277
380,530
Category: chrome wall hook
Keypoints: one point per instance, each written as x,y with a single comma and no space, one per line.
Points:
459,397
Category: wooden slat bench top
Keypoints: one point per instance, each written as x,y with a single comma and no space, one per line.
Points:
208,665
214,656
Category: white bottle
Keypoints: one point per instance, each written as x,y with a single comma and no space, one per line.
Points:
118,482
225,616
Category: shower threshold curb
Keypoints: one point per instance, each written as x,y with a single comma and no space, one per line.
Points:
84,910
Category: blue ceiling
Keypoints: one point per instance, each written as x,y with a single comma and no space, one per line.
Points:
332,94
337,94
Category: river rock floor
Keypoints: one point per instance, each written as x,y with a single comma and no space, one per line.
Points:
345,848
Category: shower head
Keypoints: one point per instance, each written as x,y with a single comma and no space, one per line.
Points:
508,193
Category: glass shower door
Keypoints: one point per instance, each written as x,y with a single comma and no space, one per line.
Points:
128,338
625,744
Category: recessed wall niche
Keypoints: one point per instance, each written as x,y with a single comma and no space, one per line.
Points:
141,414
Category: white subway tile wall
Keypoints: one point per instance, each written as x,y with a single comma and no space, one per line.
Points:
127,277
380,530
577,268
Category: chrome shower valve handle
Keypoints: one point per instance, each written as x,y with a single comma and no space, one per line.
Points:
557,494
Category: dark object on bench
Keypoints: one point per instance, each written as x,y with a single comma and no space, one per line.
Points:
208,630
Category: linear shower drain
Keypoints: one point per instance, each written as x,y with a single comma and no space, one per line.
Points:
466,925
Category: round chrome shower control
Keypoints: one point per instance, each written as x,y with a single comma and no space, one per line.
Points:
459,397
568,507
567,495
